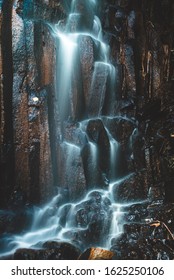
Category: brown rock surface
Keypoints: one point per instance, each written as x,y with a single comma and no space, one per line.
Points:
96,254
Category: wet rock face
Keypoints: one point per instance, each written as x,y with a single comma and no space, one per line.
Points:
120,128
98,90
143,242
31,47
14,222
136,213
86,53
145,249
71,176
82,16
133,189
97,134
96,178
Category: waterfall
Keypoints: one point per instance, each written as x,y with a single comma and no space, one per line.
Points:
66,218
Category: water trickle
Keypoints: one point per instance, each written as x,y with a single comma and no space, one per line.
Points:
97,28
72,154
116,224
113,155
98,88
93,150
67,52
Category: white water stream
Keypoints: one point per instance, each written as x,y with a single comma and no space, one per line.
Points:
58,220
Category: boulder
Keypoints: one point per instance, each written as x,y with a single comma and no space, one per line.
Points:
96,254
52,250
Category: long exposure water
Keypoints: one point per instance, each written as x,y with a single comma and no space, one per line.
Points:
73,221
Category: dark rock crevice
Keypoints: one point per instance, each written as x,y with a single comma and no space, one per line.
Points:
7,138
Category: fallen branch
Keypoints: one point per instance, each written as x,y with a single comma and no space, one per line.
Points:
162,224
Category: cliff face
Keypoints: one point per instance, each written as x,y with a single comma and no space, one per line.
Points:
141,40
27,66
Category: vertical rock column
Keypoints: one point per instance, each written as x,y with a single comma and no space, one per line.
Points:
31,88
6,90
27,98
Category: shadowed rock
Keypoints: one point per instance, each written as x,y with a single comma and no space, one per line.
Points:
97,133
120,128
132,189
52,250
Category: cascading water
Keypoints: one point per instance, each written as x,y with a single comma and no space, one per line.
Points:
95,218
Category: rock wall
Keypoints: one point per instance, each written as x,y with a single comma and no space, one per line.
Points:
142,40
27,95
140,35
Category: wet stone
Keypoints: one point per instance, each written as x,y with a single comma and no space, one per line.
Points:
163,213
85,9
73,134
52,251
132,189
72,175
82,218
14,221
74,23
143,248
86,53
94,178
136,212
90,221
97,91
130,70
120,128
96,254
63,214
97,133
